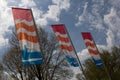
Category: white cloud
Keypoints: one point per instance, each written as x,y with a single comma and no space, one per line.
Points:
110,38
115,3
92,17
41,18
27,3
63,4
3,3
6,18
2,40
54,11
83,55
112,20
102,47
5,15
81,18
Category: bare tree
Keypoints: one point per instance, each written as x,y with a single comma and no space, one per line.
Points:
79,76
54,60
12,63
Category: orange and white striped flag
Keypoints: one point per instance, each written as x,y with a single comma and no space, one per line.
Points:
92,48
28,40
65,44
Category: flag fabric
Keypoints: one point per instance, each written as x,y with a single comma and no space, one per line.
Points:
65,44
26,33
92,48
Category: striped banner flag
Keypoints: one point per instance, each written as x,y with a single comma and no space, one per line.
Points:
92,48
65,44
28,41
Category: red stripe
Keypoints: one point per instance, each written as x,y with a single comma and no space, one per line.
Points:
87,35
90,44
59,38
69,48
24,36
23,25
22,14
59,28
95,52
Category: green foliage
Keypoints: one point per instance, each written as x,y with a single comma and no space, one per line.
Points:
112,66
1,70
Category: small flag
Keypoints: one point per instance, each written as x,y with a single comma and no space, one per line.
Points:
92,48
65,44
28,41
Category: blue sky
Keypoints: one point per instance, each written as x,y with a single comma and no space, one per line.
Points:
100,17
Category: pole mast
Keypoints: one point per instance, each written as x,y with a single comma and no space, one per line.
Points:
80,67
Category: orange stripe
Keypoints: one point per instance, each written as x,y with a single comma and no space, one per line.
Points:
59,38
95,52
24,36
23,25
90,44
69,48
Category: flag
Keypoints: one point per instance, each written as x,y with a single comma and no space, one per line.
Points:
92,48
65,44
26,33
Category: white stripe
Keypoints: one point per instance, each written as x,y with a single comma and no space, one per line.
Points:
64,43
87,40
30,45
25,31
72,53
29,60
24,21
62,35
67,51
89,47
99,63
96,56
